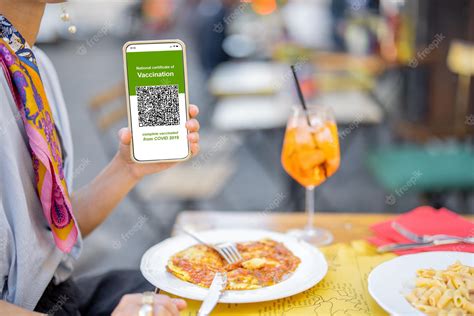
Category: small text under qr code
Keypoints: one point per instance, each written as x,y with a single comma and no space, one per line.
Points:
158,105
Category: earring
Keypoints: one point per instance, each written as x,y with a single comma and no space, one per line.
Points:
65,17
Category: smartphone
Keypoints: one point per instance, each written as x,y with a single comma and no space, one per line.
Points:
157,100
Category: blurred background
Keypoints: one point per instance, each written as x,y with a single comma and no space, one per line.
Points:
397,74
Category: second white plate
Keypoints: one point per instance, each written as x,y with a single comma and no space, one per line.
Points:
392,280
312,269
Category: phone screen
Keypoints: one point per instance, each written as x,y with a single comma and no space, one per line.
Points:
156,78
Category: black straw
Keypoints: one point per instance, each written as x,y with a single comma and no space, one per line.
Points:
300,95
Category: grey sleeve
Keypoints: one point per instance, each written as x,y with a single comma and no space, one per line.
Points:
6,236
5,250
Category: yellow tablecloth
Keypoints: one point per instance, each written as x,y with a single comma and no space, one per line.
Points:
342,292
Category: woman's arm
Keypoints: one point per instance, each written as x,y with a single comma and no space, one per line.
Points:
10,309
95,201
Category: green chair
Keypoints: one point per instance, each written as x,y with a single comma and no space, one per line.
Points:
433,171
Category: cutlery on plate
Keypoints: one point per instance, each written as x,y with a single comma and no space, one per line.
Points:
227,250
216,289
437,242
426,238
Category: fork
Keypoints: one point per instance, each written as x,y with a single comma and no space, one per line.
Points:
428,238
227,250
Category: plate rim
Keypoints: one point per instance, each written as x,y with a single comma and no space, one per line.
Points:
316,252
370,278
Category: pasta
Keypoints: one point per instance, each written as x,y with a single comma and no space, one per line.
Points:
444,292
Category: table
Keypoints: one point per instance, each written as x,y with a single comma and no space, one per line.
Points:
344,226
350,265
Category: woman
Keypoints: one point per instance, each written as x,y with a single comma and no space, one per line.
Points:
41,222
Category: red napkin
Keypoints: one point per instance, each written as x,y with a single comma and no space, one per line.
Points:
425,220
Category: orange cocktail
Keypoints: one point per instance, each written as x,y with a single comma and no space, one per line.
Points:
311,154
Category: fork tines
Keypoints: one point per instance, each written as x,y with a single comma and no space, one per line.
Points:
229,252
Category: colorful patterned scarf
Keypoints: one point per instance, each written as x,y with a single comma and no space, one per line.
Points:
20,68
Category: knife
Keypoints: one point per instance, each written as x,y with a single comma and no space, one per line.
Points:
393,247
216,289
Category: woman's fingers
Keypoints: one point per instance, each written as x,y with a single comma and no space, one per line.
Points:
192,125
161,311
125,136
165,302
130,304
180,304
193,137
193,110
194,148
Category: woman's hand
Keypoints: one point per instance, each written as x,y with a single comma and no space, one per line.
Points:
118,178
138,170
130,304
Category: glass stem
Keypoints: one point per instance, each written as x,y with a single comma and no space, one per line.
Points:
310,207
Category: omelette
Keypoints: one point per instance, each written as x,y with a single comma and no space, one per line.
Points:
265,262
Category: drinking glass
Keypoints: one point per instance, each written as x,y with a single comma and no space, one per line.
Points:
310,155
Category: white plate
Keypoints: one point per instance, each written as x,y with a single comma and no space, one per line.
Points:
311,270
390,281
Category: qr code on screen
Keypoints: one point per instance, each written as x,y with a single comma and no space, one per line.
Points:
158,105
